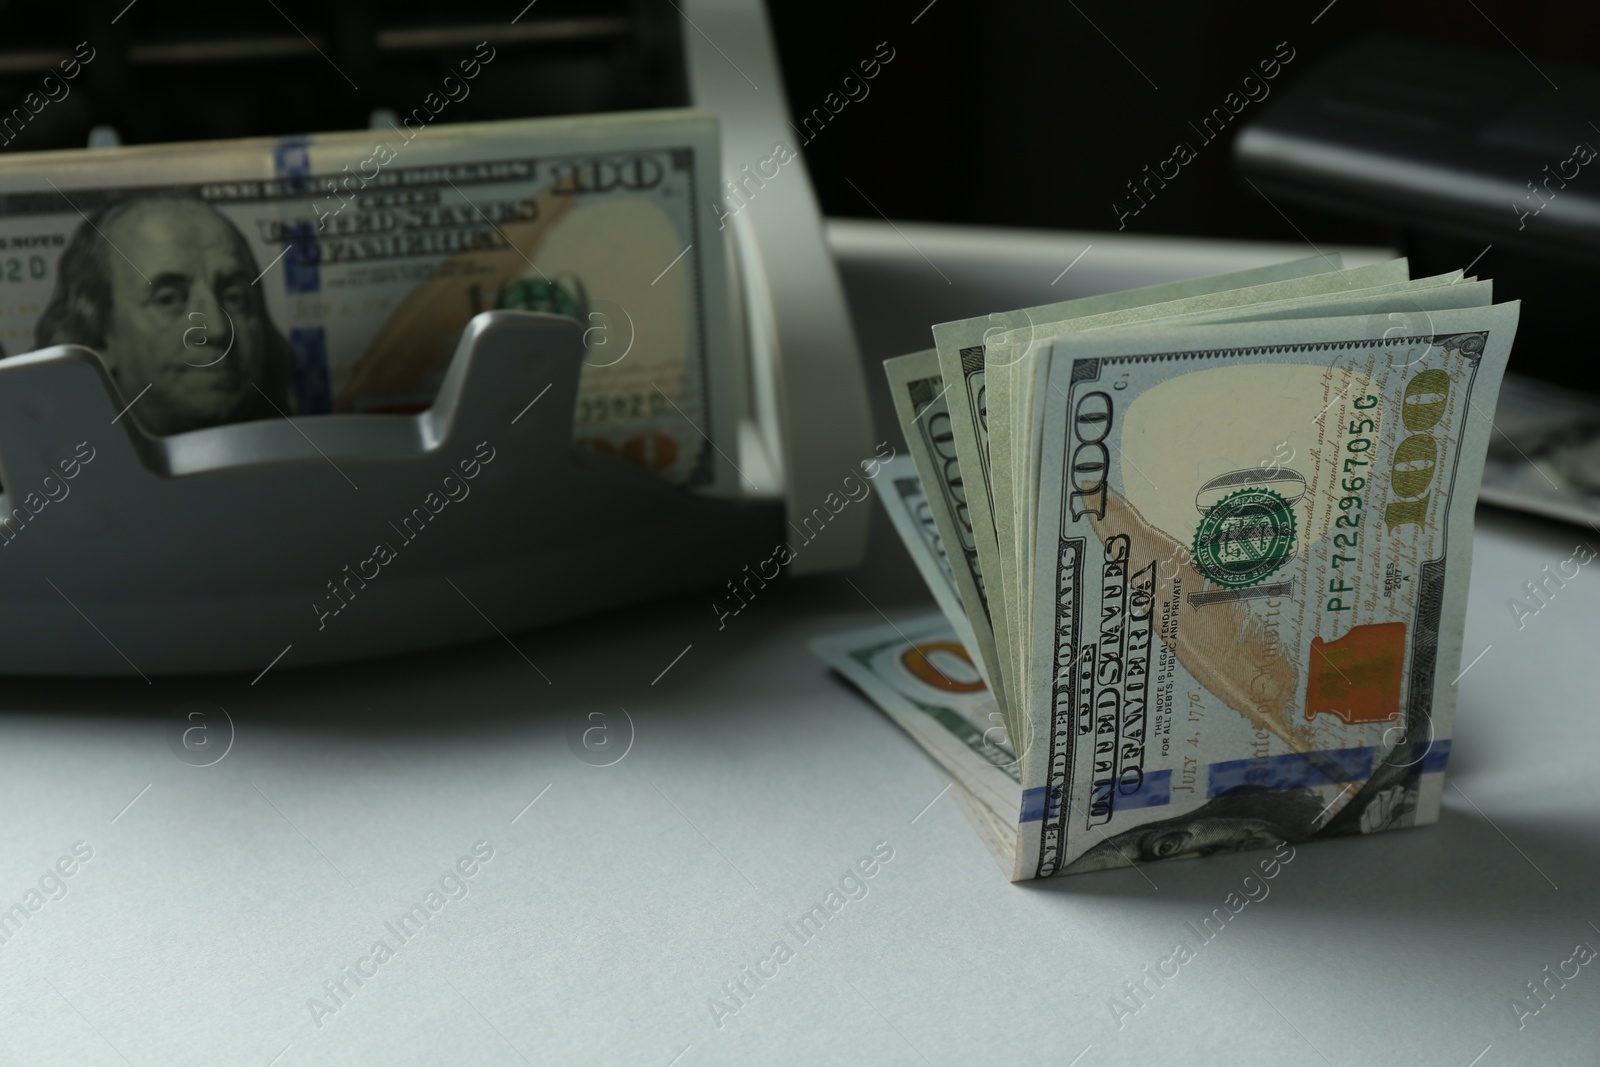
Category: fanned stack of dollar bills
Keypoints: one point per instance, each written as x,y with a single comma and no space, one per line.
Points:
1202,551
223,281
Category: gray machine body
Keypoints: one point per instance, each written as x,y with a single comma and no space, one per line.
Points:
224,549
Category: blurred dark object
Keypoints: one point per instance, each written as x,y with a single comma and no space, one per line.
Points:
1474,156
177,70
1036,115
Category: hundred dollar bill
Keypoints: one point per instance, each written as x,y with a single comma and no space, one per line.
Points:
231,280
913,518
1234,536
925,680
920,400
1226,655
960,346
1014,369
1007,360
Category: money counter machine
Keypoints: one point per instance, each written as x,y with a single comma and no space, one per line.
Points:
214,549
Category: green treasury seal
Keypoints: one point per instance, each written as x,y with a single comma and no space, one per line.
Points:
1245,537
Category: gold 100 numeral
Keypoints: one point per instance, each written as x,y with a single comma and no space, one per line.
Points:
1416,459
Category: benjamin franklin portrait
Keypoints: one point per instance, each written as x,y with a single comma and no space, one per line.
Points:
161,287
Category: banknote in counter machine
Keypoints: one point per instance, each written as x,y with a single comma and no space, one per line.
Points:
210,550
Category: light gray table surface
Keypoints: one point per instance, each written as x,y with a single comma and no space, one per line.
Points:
620,900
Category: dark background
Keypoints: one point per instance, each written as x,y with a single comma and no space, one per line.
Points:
1020,114
1034,114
